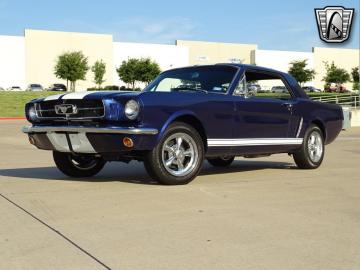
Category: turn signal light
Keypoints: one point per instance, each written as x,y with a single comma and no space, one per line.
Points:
31,140
128,142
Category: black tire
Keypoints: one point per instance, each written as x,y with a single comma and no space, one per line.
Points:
154,161
221,161
303,157
79,165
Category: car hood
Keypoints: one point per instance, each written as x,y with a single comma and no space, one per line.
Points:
109,94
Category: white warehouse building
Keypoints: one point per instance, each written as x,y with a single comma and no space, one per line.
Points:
31,58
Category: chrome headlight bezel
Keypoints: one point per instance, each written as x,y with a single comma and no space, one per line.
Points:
132,109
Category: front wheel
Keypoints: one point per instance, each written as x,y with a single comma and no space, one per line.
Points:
78,165
311,153
178,157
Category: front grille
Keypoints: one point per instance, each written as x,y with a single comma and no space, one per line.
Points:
85,109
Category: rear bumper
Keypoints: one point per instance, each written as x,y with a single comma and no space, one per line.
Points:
72,129
90,140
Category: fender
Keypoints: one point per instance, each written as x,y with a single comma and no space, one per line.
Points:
320,123
172,119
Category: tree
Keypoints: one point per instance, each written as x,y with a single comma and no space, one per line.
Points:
138,70
355,78
300,73
71,66
335,74
148,70
99,69
127,72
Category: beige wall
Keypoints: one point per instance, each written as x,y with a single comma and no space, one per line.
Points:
43,47
344,58
201,52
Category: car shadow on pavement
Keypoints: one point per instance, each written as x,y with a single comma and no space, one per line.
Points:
244,166
135,173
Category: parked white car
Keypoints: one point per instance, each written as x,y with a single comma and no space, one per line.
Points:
34,87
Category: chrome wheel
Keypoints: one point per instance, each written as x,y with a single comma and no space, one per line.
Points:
315,146
180,154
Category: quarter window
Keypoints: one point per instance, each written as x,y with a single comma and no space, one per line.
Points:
262,85
240,89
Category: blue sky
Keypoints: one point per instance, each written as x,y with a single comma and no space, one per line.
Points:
280,25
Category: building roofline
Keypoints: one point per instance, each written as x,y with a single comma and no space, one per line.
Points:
217,42
71,32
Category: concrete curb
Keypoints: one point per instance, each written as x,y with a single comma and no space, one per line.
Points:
12,118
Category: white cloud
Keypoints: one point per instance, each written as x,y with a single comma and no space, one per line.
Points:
154,30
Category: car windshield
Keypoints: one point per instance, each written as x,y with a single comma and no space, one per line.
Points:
215,79
35,85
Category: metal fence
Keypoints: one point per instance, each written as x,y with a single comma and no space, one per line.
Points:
348,100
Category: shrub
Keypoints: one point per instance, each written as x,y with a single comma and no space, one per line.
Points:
93,89
111,87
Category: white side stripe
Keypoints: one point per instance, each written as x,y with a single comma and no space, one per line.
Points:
254,142
53,97
76,95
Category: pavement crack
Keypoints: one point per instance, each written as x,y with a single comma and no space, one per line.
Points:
56,231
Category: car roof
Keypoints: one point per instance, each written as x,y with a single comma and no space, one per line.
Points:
253,67
241,66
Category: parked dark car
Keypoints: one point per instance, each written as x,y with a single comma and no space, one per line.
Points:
184,116
34,87
57,87
15,88
311,89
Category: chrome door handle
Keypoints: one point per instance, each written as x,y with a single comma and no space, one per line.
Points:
287,105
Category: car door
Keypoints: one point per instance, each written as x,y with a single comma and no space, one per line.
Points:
262,119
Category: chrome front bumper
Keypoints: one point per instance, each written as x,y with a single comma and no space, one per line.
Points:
109,130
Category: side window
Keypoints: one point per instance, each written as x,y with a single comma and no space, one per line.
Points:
265,85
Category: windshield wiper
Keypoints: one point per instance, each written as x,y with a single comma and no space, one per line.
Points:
189,89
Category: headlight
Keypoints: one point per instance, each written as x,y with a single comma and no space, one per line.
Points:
32,114
132,109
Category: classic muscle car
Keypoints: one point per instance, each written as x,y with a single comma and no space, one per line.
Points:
184,116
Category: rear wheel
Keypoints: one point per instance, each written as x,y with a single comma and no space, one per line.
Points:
311,153
178,157
221,161
78,165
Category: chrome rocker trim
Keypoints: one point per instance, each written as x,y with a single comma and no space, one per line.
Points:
111,130
254,142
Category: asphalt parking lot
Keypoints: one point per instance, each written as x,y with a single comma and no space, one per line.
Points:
258,214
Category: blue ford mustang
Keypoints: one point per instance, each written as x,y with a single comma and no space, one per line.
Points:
185,115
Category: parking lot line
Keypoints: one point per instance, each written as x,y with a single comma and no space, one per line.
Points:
55,231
